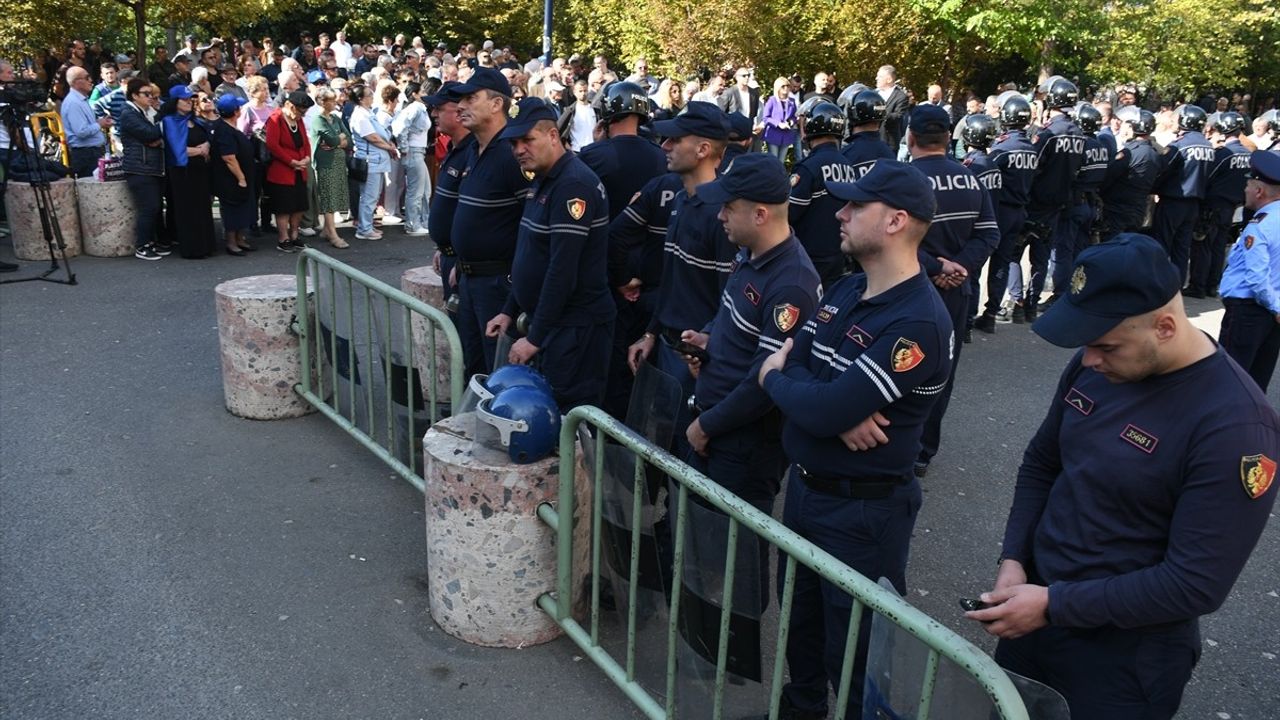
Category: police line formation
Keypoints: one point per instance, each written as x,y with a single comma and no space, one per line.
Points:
812,319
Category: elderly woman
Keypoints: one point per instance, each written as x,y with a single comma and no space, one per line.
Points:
330,140
200,81
780,131
205,111
232,175
143,166
186,145
373,145
248,68
287,174
388,110
253,122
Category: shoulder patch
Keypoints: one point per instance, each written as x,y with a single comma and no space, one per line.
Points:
577,208
1257,472
906,355
1248,242
785,316
795,179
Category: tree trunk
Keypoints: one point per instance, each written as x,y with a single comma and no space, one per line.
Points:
171,39
140,25
1046,58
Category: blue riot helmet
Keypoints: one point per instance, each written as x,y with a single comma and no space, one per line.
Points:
1228,123
1141,121
527,422
1059,92
509,376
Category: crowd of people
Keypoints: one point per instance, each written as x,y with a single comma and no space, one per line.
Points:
805,266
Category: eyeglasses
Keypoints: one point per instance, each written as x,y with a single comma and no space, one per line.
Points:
204,100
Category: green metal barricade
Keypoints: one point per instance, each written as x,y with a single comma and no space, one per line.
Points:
365,348
743,519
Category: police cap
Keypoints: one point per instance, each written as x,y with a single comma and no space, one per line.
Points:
524,115
893,183
740,127
446,94
484,79
1124,277
1265,166
929,119
758,177
699,118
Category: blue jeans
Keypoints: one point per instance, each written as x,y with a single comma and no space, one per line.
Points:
370,191
417,188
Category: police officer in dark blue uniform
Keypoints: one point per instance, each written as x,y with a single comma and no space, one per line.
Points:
740,139
1060,153
977,131
877,346
1184,175
866,110
1017,160
812,210
961,238
1131,176
558,275
1075,224
1134,510
491,198
1223,197
1251,282
444,112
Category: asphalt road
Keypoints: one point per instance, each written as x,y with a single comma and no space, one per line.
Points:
160,558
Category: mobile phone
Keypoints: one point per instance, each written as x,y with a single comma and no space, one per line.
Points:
687,348
970,604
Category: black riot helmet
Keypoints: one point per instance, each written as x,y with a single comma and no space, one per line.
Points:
845,98
821,118
1190,117
624,98
1059,92
979,131
1088,117
1228,123
866,107
1015,111
1142,121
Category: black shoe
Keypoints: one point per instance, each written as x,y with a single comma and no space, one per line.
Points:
920,469
1029,310
146,252
986,323
162,249
286,247
7,266
1019,314
1193,292
248,248
236,252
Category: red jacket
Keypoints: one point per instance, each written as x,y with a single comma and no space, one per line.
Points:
280,143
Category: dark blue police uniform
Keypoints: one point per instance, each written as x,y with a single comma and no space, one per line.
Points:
1076,222
1127,187
1184,175
740,127
443,205
1223,194
989,177
864,149
812,211
1017,160
1060,153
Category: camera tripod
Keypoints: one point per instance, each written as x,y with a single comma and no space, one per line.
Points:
14,119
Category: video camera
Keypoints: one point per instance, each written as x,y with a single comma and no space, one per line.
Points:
23,93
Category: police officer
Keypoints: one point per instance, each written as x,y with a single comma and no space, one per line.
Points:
1131,175
491,198
444,110
1060,150
1251,282
1184,174
1272,118
1134,510
1017,160
812,210
877,346
558,277
740,139
866,110
978,132
963,235
1075,224
771,290
1223,195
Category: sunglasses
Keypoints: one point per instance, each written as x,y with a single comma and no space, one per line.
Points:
146,93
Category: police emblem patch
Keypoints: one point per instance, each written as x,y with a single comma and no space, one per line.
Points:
577,208
785,316
1248,242
514,112
906,355
1078,281
1257,472
795,179
528,174
752,294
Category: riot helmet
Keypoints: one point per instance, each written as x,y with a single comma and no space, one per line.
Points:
624,98
821,118
1015,111
1228,123
1190,117
1088,117
866,107
527,422
1059,92
979,131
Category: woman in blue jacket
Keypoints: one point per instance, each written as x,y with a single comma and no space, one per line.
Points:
143,166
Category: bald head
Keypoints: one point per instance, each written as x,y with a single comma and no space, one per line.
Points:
76,73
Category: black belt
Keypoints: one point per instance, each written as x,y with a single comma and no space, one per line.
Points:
872,488
481,268
670,336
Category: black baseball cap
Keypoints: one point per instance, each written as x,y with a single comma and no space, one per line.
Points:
444,95
699,118
758,177
524,115
1126,276
484,79
929,119
1264,165
893,183
740,126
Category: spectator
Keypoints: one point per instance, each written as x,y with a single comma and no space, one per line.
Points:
229,84
190,206
896,105
780,120
85,140
107,71
267,55
271,69
342,50
642,77
411,129
373,145
691,89
578,123
205,110
201,81
287,174
670,99
232,184
161,69
143,167
388,108
181,74
330,140
248,68
253,123
1261,137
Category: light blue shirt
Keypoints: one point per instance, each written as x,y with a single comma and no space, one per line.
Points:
1253,266
79,123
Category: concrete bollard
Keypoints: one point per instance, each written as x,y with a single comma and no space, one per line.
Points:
261,360
426,285
489,557
24,219
108,224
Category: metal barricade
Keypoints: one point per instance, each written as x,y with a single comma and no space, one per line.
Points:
944,647
366,348
51,139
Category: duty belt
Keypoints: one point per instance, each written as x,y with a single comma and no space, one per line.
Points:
870,488
482,268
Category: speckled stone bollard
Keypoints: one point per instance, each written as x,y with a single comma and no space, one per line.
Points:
24,219
489,556
261,361
426,285
107,222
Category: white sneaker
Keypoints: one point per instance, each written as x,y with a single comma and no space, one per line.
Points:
416,232
307,232
375,235
390,219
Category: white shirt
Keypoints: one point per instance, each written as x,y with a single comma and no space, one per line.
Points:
584,127
341,52
410,126
885,93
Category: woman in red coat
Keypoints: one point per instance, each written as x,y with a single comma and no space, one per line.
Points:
287,174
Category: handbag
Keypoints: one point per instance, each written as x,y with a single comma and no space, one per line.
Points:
261,153
357,168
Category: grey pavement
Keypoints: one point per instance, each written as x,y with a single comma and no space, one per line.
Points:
160,558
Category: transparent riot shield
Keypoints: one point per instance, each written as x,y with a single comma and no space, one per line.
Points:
896,663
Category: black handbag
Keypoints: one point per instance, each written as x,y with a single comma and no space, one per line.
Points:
261,153
357,168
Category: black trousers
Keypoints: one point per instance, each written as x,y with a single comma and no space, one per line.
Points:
84,160
147,192
1209,254
1251,336
1175,219
957,301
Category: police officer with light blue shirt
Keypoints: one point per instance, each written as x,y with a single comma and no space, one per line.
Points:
1251,281
878,344
813,211
1184,174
